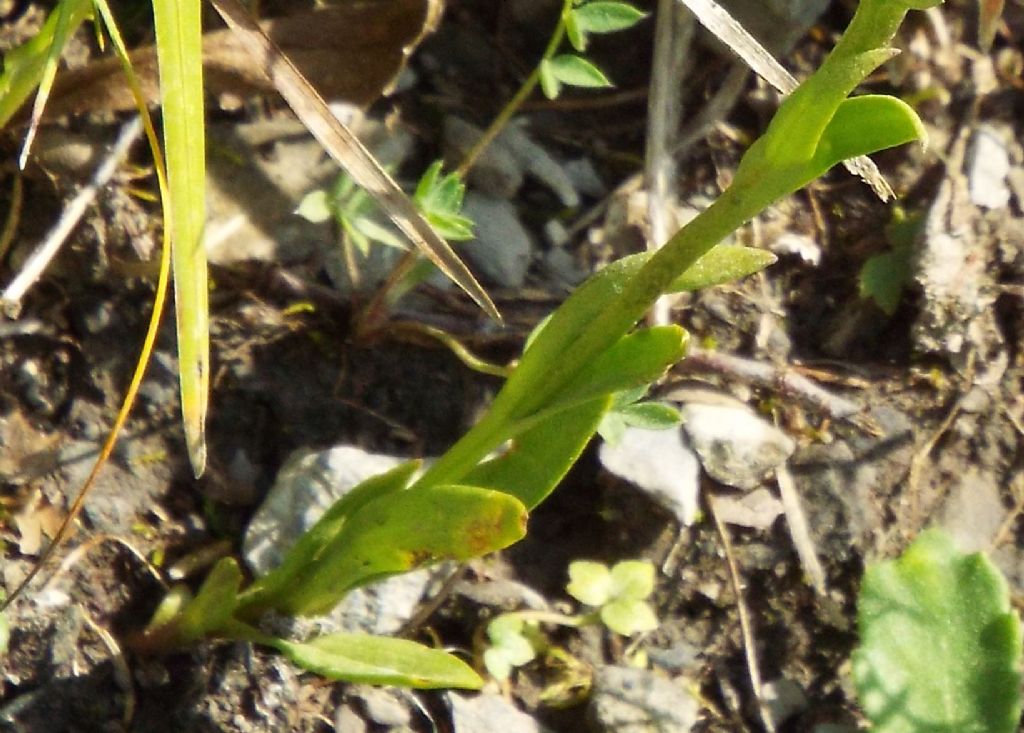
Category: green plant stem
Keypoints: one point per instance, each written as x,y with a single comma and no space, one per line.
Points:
731,210
776,165
513,105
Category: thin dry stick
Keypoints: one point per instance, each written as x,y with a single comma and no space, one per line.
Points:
746,625
122,673
781,379
799,530
10,299
672,37
920,459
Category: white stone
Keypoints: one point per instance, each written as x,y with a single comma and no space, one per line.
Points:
660,463
735,446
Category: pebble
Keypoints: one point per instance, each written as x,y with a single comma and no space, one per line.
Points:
758,509
735,446
974,511
629,700
661,464
987,168
504,164
502,249
784,698
488,713
383,706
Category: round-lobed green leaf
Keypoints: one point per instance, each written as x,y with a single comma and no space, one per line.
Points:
940,645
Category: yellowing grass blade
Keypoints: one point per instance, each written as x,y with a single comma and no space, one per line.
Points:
180,56
346,149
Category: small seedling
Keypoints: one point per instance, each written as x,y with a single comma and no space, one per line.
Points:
618,597
628,409
884,276
354,212
579,20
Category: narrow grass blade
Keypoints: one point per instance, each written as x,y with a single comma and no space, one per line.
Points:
180,56
346,149
25,65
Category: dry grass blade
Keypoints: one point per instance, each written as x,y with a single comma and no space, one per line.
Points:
729,31
346,149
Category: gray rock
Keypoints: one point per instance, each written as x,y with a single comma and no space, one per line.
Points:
562,268
383,706
308,483
496,171
489,713
784,699
839,483
502,249
628,700
346,719
987,166
974,511
735,446
584,176
502,166
758,509
660,463
501,594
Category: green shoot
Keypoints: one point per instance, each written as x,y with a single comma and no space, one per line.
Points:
439,198
629,410
619,599
884,276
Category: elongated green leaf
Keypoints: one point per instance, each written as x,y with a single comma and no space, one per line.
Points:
576,71
401,531
540,457
25,65
215,602
315,541
864,125
883,277
179,40
66,25
606,17
940,645
722,264
380,660
637,359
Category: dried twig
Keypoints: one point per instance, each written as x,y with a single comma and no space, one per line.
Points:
122,673
10,299
799,531
781,379
746,624
672,38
